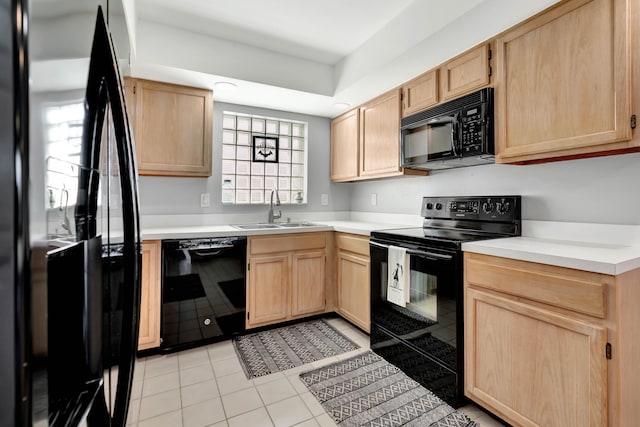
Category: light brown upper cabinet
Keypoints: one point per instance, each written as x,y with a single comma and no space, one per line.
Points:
172,127
465,73
345,131
563,84
365,142
420,93
380,136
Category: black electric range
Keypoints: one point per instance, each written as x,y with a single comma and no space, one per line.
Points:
423,332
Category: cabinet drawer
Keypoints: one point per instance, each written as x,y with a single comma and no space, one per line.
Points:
575,290
286,243
353,243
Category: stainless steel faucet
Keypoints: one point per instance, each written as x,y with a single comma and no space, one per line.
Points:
273,215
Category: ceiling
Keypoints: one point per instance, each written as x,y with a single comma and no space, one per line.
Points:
322,31
302,56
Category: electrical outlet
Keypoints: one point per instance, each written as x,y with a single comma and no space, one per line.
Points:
374,199
324,199
205,200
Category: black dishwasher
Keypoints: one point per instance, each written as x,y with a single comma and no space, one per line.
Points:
203,291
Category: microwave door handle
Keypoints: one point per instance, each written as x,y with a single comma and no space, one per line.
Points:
442,120
455,135
424,254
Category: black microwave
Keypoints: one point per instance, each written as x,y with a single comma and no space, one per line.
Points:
453,134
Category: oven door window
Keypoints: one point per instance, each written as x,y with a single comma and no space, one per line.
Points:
429,319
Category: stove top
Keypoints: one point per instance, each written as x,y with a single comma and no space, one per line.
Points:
451,221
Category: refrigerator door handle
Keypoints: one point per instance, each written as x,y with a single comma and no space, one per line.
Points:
105,90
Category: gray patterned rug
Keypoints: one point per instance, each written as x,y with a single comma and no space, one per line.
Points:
284,348
366,390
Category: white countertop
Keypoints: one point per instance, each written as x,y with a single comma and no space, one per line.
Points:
187,232
599,248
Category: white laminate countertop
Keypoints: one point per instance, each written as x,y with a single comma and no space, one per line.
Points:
599,248
187,232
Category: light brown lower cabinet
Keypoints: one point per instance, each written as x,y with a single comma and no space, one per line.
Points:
353,286
538,340
286,277
149,332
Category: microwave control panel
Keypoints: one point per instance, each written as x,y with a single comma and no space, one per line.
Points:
472,131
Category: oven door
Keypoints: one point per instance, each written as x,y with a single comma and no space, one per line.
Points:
431,322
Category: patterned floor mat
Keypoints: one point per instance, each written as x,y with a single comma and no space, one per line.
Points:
366,390
284,348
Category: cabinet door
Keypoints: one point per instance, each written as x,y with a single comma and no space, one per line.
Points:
533,366
149,335
465,73
353,289
173,129
344,146
420,93
380,136
563,83
308,285
268,290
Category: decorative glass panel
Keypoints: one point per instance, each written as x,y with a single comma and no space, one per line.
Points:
257,157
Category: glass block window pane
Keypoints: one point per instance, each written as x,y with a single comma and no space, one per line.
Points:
298,144
243,138
285,142
228,151
243,123
285,128
228,137
272,127
297,129
228,122
257,126
248,177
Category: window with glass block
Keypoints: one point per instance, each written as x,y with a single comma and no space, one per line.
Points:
260,154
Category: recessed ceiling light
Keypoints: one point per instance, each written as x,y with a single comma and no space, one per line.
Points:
341,105
225,86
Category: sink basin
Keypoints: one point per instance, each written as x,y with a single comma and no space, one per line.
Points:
255,226
261,226
297,224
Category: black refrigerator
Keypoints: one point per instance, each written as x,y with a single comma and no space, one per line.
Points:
69,219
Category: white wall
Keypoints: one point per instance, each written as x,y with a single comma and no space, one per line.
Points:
160,195
598,190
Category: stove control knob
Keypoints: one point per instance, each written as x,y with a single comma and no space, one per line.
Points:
502,208
429,206
438,206
487,207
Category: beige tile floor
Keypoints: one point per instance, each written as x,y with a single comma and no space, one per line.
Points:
207,387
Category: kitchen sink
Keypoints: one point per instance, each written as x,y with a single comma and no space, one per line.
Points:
260,226
255,226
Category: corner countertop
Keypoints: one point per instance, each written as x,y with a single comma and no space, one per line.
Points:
599,248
